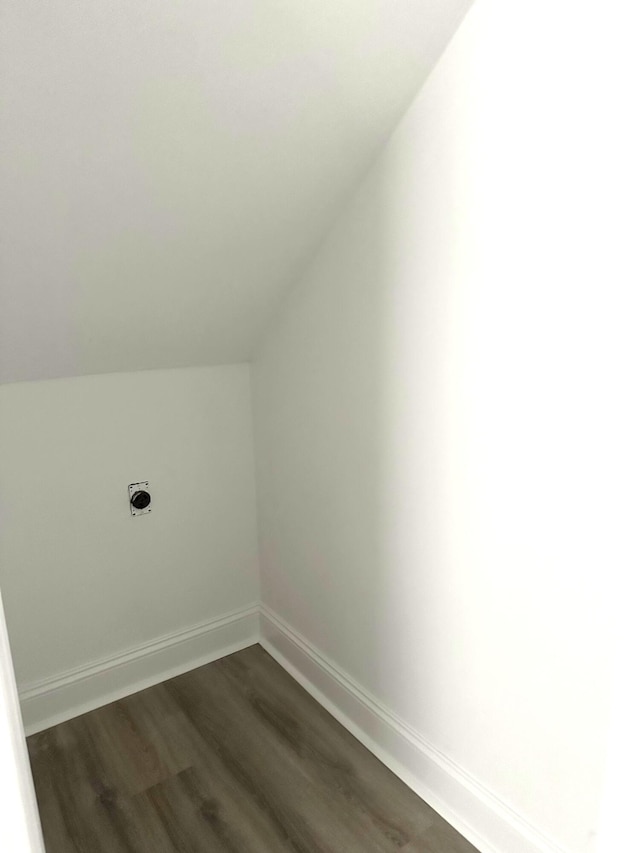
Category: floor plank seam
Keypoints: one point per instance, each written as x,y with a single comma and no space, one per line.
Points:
501,821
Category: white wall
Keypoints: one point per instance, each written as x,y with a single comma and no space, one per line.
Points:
82,579
619,805
20,824
438,415
169,166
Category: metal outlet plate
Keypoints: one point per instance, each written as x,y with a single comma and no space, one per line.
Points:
139,487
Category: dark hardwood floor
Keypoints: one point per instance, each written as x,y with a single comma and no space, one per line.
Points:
233,757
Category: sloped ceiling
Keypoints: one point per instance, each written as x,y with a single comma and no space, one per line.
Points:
168,165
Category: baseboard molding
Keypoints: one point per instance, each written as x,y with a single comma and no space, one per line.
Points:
54,700
478,814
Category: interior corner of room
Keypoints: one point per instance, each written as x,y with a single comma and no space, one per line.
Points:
354,296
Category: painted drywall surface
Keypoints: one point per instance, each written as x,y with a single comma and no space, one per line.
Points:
81,578
438,421
20,824
619,803
167,166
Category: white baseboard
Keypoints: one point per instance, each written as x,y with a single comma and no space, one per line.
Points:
479,815
61,697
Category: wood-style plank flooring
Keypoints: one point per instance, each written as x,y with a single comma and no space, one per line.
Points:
234,757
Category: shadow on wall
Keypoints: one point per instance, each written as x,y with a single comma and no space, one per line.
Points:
435,408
